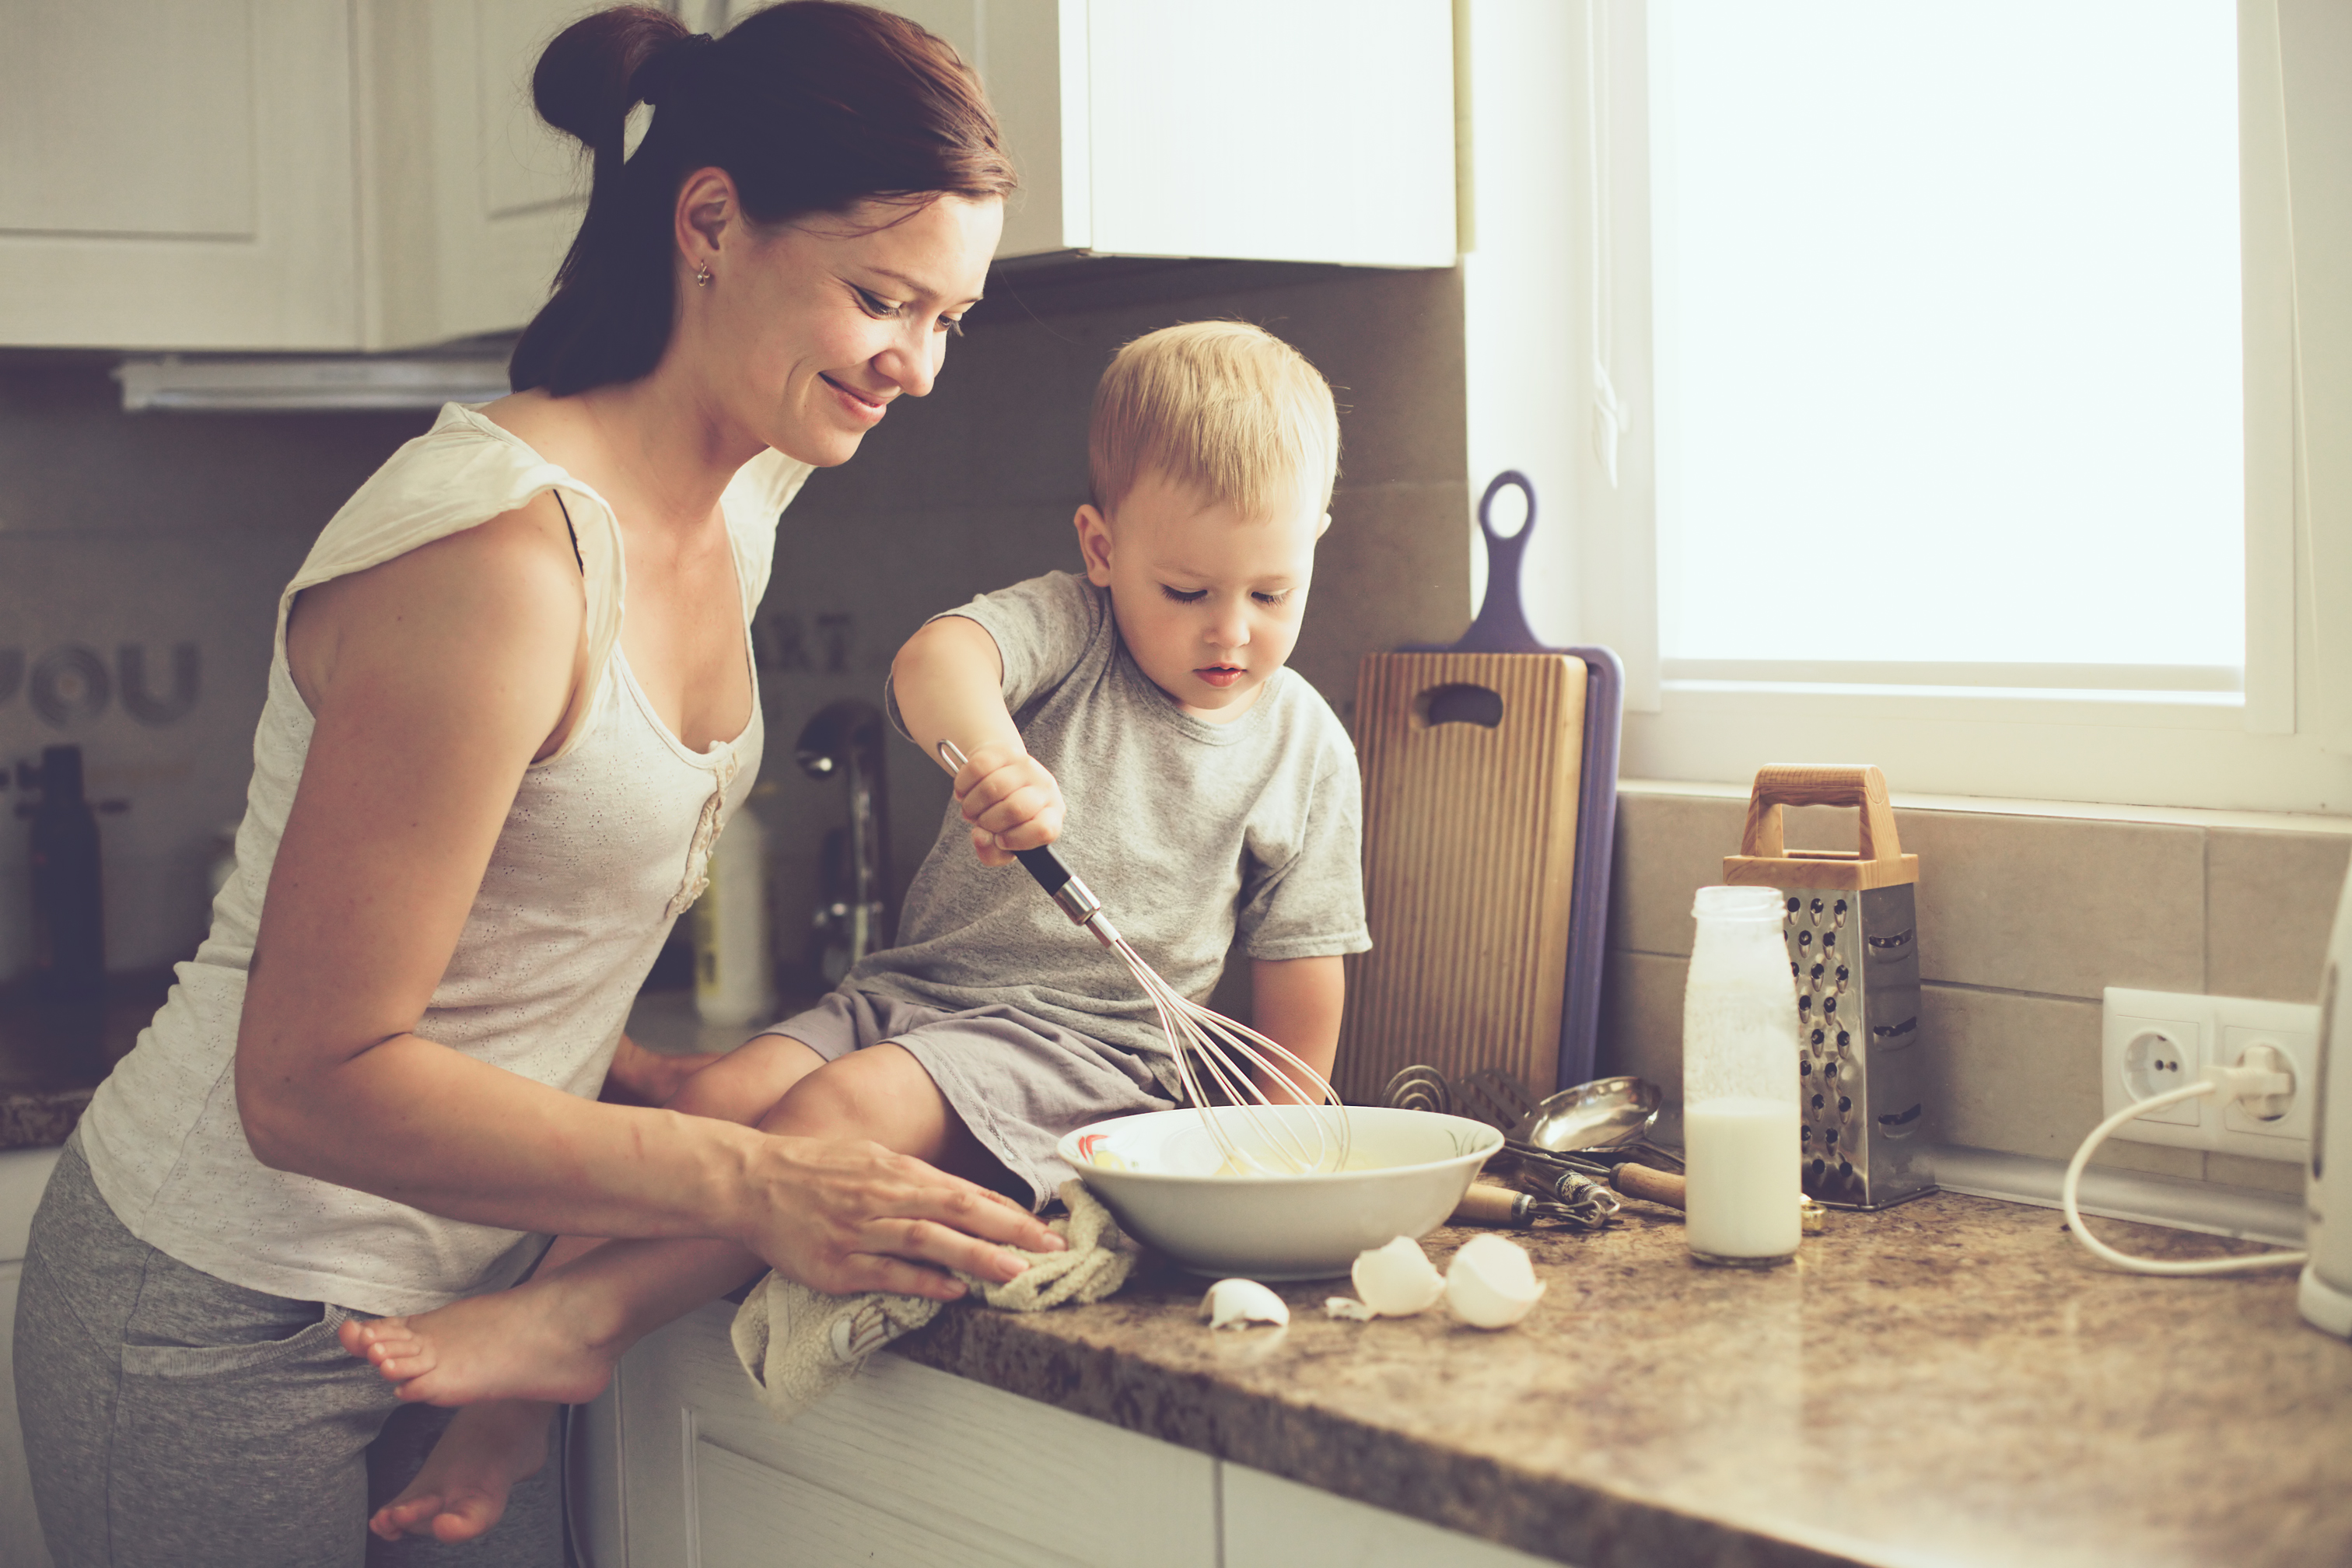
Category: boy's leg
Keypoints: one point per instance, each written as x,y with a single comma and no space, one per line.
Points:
557,1336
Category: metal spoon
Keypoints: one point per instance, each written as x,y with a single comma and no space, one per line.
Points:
1609,1113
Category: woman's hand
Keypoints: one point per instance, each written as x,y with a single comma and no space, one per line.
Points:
850,1216
1010,801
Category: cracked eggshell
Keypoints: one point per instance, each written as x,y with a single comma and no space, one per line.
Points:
1237,1303
1347,1309
1397,1281
1491,1283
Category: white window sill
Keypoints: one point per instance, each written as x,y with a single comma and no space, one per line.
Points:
2184,749
2076,810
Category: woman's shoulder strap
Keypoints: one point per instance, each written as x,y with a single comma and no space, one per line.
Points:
754,499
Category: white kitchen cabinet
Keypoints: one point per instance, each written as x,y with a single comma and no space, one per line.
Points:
467,199
904,1463
177,175
289,175
277,174
1270,1523
1244,130
23,1173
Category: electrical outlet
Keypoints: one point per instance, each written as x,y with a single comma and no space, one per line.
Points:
2155,1040
2294,1031
2151,1042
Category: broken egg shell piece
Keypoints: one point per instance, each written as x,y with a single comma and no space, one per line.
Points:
1397,1281
1491,1283
1347,1309
1238,1303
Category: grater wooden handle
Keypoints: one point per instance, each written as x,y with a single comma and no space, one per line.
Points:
1827,784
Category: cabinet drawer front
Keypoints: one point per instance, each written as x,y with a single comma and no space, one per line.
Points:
746,1512
899,1442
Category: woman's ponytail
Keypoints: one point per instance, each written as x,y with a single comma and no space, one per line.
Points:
811,106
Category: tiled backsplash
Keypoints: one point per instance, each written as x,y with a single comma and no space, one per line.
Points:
141,559
2023,921
155,532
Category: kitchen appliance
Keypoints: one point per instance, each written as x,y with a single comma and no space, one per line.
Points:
1490,799
1240,1117
1851,929
2325,1291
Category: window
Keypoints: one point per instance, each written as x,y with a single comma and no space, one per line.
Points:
1948,349
1924,384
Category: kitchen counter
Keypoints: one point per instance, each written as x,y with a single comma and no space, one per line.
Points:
1954,1380
52,1055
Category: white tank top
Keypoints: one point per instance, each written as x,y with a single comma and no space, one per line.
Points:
608,842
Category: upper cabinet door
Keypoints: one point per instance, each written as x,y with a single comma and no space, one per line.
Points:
1273,130
1247,130
470,199
177,175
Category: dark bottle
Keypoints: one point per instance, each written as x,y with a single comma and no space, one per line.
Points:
68,923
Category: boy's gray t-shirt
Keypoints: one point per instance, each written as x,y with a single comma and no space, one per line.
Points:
1189,832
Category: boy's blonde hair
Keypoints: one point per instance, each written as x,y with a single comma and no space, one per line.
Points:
1221,407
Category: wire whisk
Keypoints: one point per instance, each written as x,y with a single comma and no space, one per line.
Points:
1213,1049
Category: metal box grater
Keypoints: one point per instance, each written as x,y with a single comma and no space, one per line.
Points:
1851,923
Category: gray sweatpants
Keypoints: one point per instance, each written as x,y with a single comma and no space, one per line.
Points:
175,1419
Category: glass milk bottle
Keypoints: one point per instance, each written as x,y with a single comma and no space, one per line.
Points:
1740,1083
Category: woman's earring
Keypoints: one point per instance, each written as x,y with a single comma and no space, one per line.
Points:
702,276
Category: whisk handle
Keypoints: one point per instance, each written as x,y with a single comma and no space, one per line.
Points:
1061,884
1076,900
1046,867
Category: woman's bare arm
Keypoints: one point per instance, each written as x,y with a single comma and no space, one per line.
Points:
433,681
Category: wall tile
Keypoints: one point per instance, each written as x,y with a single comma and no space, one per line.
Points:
72,461
1667,847
2155,1159
2265,1175
2019,1074
2270,902
182,772
2058,905
1641,1021
1391,570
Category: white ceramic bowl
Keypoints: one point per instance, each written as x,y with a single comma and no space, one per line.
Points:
1158,1173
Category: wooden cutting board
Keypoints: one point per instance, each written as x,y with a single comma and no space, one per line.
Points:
1472,765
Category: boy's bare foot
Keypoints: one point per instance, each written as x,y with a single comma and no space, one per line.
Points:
538,1340
462,1490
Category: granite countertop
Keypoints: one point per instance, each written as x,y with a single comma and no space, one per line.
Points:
52,1055
1954,1380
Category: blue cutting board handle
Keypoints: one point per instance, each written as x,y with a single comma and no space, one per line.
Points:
1502,628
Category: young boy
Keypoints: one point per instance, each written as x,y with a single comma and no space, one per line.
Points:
1141,718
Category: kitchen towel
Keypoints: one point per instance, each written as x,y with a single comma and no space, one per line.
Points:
797,1343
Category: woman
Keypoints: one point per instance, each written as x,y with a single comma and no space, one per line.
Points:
511,705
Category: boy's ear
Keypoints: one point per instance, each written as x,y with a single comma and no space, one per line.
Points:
1094,544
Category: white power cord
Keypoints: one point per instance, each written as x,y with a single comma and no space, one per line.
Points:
2227,1083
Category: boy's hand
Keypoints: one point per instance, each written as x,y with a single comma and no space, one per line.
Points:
1010,801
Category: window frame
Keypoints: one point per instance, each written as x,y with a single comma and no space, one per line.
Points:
2271,739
